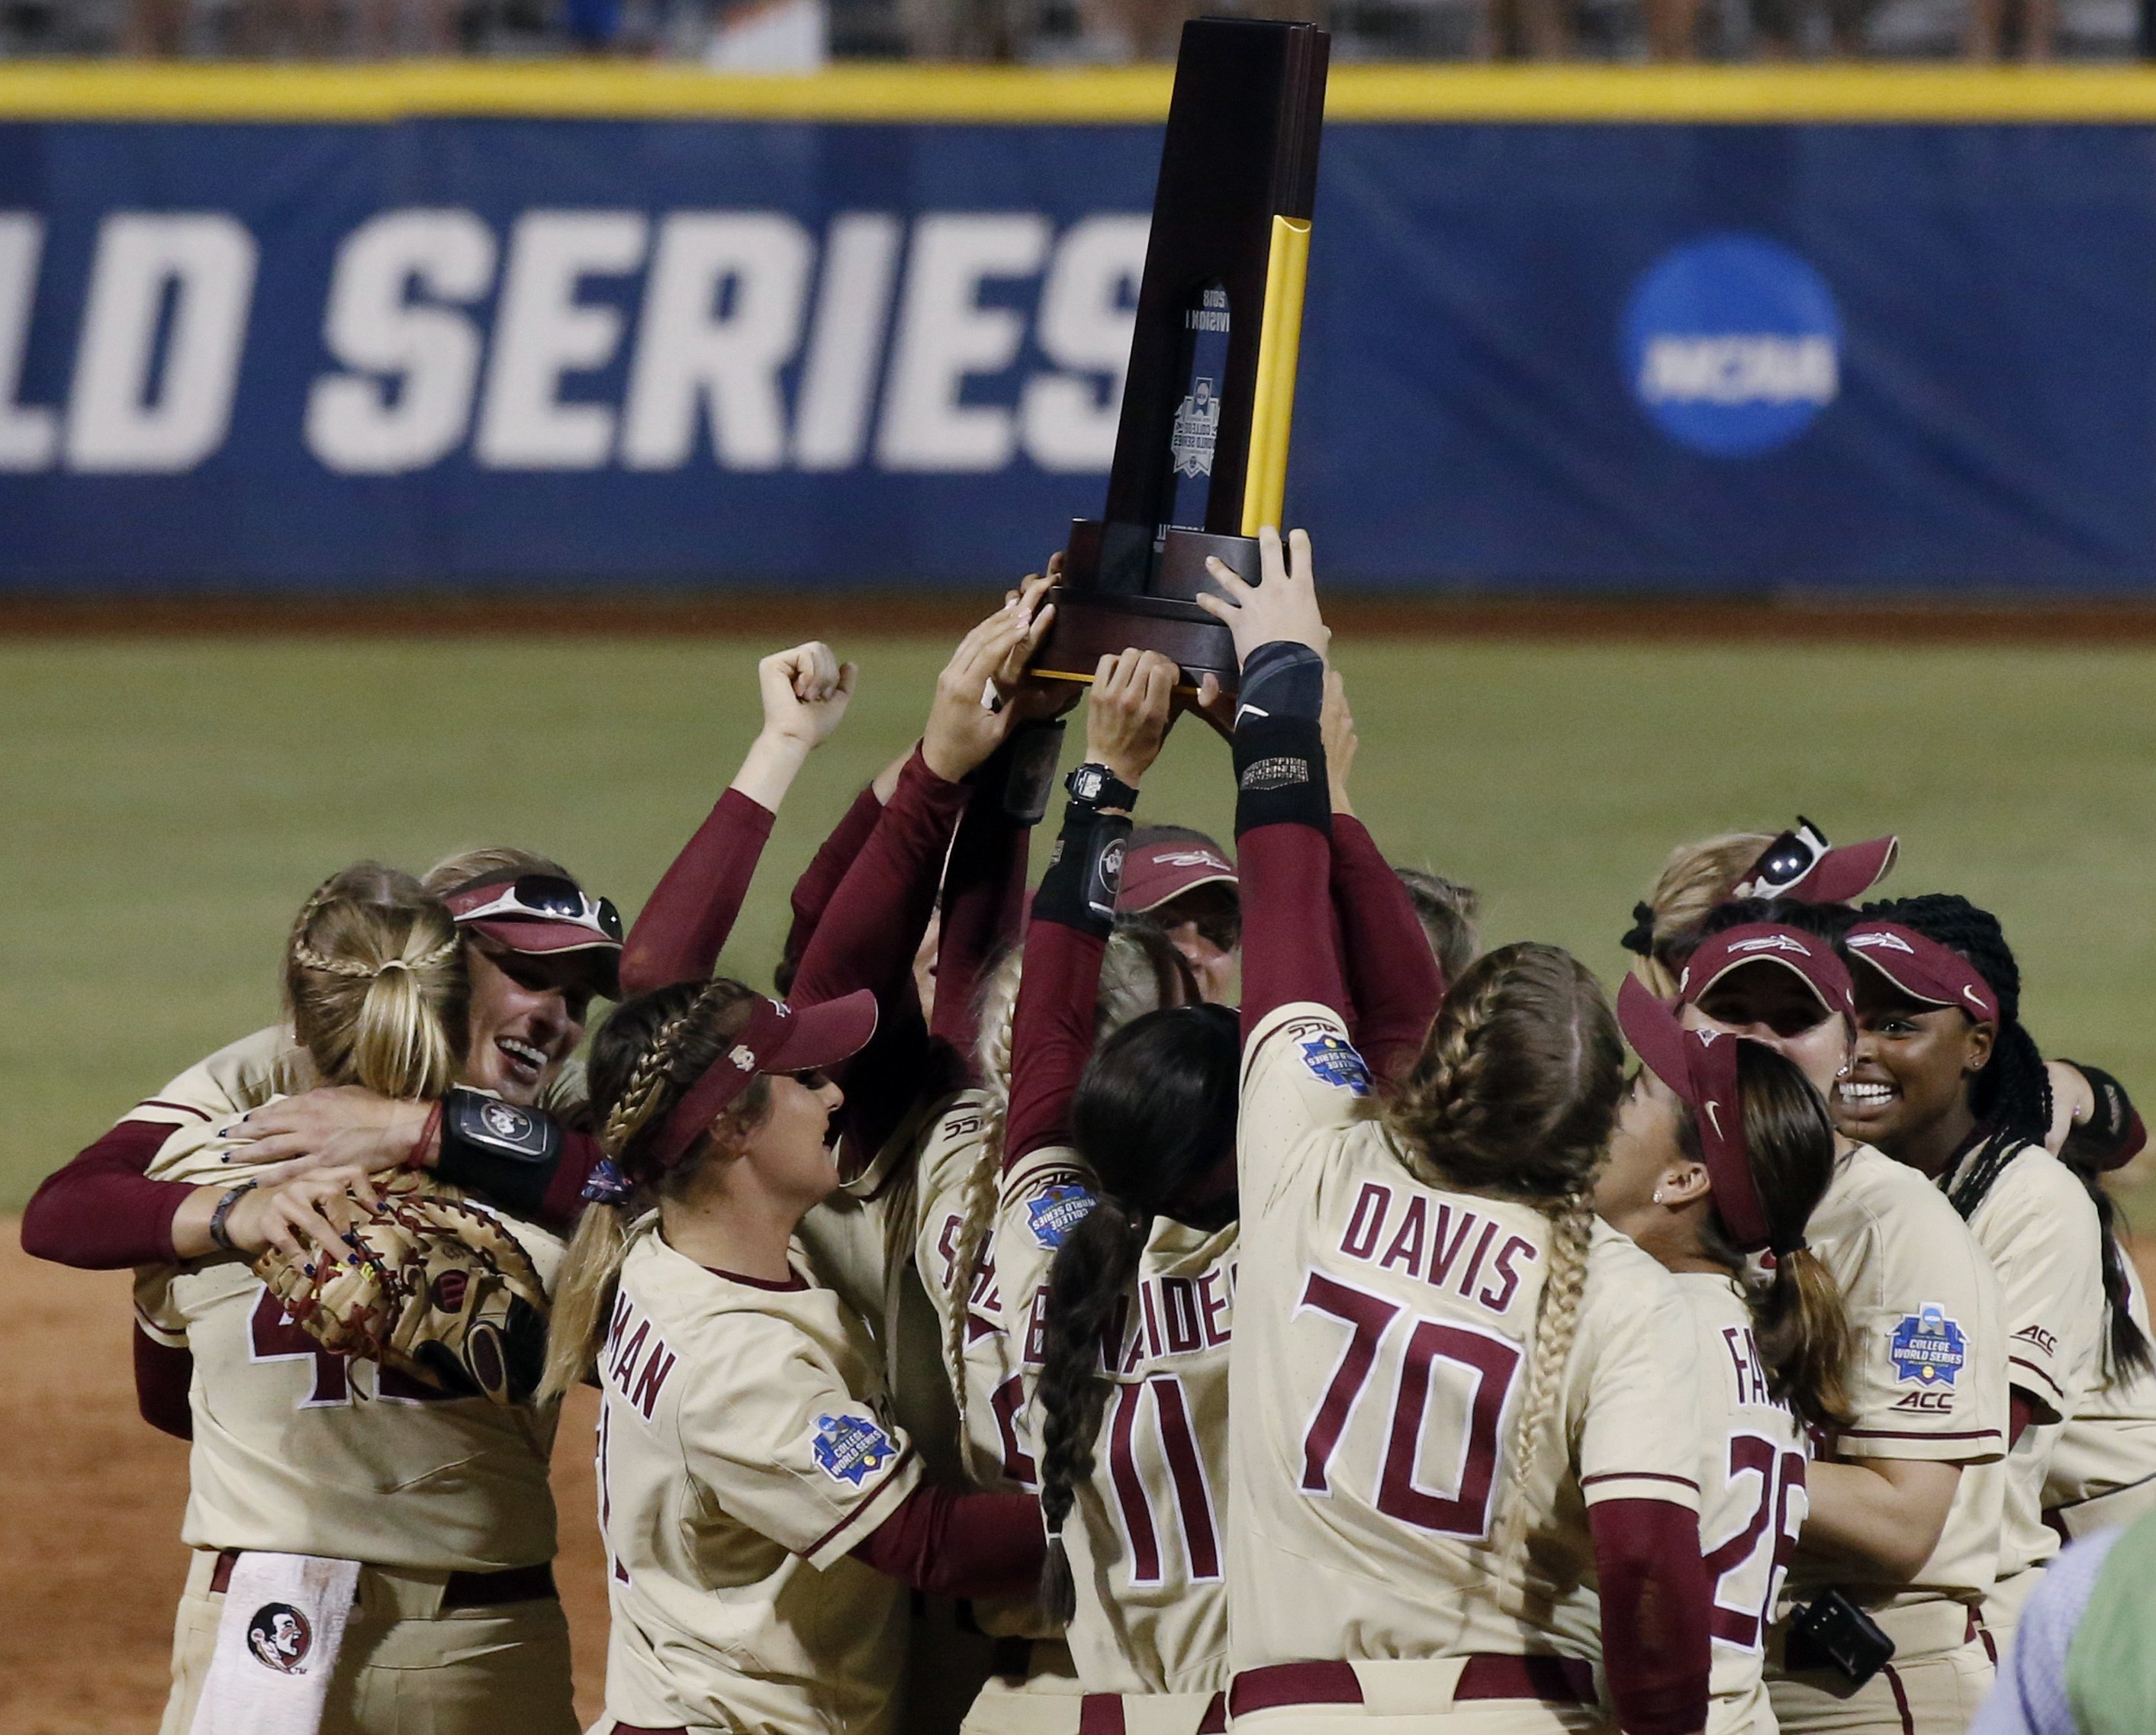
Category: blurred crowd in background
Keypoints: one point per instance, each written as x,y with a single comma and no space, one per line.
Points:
801,34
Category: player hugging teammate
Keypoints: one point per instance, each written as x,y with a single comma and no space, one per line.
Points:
996,1333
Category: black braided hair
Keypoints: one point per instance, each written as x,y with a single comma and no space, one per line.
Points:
2011,1098
1154,1113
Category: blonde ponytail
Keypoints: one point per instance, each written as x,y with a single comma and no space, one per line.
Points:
375,981
651,1050
583,1297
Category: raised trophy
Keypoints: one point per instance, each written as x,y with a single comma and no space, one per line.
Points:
1201,449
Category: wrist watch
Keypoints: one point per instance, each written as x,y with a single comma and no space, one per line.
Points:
1097,787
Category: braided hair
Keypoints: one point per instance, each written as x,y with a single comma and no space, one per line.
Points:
1515,1093
1154,1114
1140,971
647,1053
2011,1097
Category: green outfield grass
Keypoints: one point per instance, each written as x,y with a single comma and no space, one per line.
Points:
165,805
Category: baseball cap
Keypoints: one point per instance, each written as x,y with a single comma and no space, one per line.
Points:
777,1039
1164,868
1922,967
1700,1067
1813,960
1800,864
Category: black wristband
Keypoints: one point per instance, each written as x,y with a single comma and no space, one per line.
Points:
2113,1136
1279,774
505,1154
1029,761
1085,872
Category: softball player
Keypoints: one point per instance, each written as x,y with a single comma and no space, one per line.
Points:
2103,1468
1947,1081
1722,1150
1798,865
1438,1353
761,1509
1905,1500
537,948
443,1501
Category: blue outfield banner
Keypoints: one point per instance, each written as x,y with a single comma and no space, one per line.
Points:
680,351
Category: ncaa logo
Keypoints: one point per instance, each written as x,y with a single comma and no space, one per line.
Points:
1732,345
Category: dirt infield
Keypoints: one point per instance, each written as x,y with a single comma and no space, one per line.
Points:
781,615
90,1560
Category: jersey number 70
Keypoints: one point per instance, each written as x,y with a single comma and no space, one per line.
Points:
1491,1362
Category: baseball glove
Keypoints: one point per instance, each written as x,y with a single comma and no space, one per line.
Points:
428,1284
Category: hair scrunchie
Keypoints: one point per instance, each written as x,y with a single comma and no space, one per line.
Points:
1641,938
606,1184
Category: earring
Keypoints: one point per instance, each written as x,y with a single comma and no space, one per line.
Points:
1843,1070
1658,1195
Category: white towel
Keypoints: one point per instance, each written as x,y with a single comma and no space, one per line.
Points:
276,1645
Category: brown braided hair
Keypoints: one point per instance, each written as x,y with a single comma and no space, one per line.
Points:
1516,1094
651,1050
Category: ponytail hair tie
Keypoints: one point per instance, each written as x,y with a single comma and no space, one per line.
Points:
1640,937
607,1185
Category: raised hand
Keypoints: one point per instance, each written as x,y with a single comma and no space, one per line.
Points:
805,692
968,718
1283,609
1128,711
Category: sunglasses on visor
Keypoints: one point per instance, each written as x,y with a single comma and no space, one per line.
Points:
1784,862
543,897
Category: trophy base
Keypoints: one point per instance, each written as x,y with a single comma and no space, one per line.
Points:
1120,592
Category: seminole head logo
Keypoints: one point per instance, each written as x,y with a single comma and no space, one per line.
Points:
279,1638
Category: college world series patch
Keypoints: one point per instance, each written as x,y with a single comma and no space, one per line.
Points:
851,1449
1336,1063
1927,1348
1055,1213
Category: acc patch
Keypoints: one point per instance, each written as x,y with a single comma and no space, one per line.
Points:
1927,1348
279,1637
850,1449
1056,1212
1333,1060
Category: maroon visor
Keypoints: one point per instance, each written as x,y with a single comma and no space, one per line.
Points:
1922,968
1158,871
1701,1066
1812,960
777,1039
1800,864
536,913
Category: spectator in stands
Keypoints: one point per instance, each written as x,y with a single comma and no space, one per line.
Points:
2033,23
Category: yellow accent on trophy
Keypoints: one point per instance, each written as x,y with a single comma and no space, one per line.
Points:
1279,340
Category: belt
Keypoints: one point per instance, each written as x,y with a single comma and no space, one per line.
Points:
463,1590
1555,1680
1102,1714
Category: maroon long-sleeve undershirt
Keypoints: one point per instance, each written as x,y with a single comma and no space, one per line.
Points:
820,881
1654,1598
983,912
1391,975
1051,1034
162,1375
685,922
948,1544
1288,951
867,936
101,1212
